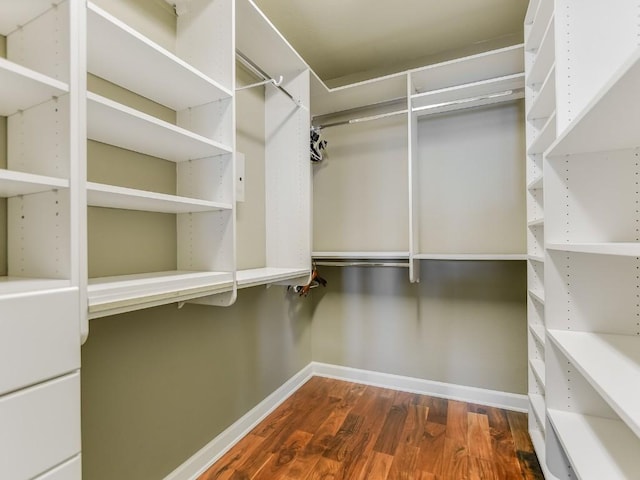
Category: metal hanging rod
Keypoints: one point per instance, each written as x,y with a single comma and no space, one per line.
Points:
340,263
258,72
361,119
276,83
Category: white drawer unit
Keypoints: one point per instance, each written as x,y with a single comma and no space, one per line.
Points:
39,337
40,429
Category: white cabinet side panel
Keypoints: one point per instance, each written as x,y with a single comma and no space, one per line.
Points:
206,179
205,241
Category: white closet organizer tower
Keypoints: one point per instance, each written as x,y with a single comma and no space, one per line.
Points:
591,242
287,181
39,291
197,83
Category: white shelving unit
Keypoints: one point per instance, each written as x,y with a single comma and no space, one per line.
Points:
40,189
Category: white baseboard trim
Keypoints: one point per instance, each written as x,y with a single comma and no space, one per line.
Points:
481,396
210,453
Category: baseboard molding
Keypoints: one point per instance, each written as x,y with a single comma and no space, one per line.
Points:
210,453
491,398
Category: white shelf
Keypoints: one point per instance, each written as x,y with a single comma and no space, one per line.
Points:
544,57
111,295
538,332
23,88
611,364
539,409
115,124
262,276
629,249
470,256
545,137
537,295
16,285
14,183
18,13
598,448
484,92
536,258
535,222
536,183
360,255
540,21
610,120
544,102
538,370
110,196
532,10
123,56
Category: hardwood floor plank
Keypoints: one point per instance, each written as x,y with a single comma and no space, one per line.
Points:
454,463
457,424
481,469
506,463
431,447
415,425
438,408
479,436
393,426
280,463
337,448
404,463
325,469
225,466
525,453
377,467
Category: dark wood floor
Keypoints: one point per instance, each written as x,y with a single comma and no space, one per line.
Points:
334,430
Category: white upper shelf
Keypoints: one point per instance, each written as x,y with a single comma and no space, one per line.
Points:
16,285
23,88
14,183
544,57
115,124
111,295
541,20
262,276
544,101
629,249
538,332
538,369
536,184
537,295
123,56
610,121
611,364
110,196
545,137
471,94
18,13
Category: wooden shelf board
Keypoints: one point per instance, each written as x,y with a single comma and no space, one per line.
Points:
361,255
23,88
538,332
263,276
110,196
597,448
544,56
629,249
16,285
19,13
539,296
544,103
610,120
118,294
537,366
545,137
539,409
470,256
536,183
14,183
115,124
118,53
611,364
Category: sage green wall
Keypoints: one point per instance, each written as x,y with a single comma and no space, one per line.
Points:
464,323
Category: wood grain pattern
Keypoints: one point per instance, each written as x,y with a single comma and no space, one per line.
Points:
334,430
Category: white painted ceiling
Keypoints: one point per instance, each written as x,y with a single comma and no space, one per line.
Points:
350,40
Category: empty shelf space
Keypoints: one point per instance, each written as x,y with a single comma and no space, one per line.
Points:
536,183
545,137
537,295
17,14
262,276
471,94
361,255
540,21
118,53
538,333
630,249
16,285
536,222
470,256
539,409
597,447
23,88
544,56
536,258
14,183
111,295
544,102
611,363
110,196
537,366
610,121
115,124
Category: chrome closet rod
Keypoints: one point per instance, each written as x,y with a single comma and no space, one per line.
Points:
258,72
361,119
336,263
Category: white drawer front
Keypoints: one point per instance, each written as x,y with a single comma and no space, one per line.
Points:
40,427
39,337
69,470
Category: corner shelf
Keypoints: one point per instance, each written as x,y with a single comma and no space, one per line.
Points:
118,53
540,20
538,332
110,196
544,56
536,183
23,88
263,276
597,447
628,249
545,137
14,183
115,124
611,364
124,293
536,258
539,409
544,102
537,295
536,222
537,366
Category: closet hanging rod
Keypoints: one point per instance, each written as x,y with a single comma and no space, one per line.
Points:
471,100
276,83
258,72
337,263
360,120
